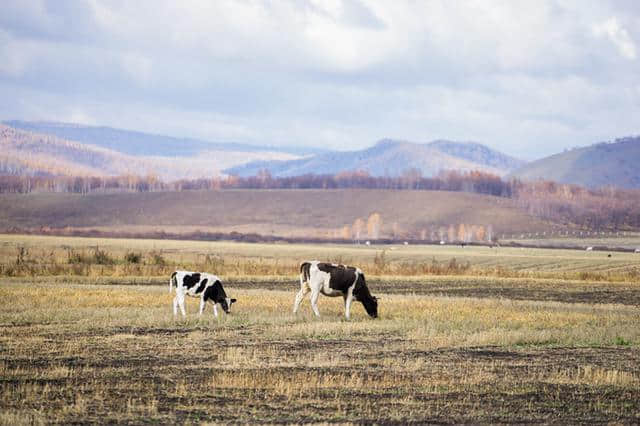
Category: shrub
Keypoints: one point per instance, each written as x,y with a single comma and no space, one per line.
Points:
131,257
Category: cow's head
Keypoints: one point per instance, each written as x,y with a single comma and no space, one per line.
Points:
371,306
361,293
226,304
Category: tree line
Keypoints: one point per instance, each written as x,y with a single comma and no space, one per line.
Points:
474,182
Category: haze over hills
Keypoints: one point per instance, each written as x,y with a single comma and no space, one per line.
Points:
36,154
143,144
392,157
607,163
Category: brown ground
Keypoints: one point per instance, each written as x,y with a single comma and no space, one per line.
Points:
298,213
169,379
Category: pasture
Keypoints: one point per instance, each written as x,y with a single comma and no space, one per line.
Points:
513,336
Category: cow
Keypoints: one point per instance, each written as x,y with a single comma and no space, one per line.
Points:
334,280
199,284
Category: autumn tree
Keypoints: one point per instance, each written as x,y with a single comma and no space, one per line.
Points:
358,228
346,232
374,225
451,233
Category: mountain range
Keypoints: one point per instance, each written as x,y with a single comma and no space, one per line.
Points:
391,157
143,144
49,148
25,152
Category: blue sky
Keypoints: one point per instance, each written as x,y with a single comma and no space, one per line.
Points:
529,78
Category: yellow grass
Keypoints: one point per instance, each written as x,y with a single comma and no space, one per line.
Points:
51,256
86,349
71,351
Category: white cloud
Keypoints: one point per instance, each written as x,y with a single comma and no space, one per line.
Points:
617,35
525,77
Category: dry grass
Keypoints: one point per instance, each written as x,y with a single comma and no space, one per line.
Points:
63,256
79,346
91,353
301,213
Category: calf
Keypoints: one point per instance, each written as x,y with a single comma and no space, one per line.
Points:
197,284
334,280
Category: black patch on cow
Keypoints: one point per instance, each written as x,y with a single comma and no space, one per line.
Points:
202,285
216,294
305,271
342,277
361,293
190,280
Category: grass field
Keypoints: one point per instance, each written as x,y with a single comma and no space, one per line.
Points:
291,213
631,241
51,256
103,346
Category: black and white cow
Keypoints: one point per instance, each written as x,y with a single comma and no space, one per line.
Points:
334,280
198,284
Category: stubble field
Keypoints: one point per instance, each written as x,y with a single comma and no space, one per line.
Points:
102,345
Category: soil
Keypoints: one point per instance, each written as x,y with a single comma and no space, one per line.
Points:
517,388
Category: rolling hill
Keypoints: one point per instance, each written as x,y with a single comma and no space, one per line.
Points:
288,213
606,163
36,154
390,157
143,144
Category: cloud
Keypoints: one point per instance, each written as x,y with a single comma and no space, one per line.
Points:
617,35
529,78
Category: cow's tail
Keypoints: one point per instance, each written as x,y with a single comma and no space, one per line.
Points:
172,281
305,273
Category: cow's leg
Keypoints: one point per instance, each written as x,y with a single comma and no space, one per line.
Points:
348,298
175,305
202,303
304,289
181,304
314,301
215,310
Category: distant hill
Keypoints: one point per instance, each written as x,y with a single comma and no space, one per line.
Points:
607,163
298,213
35,154
478,153
143,144
392,157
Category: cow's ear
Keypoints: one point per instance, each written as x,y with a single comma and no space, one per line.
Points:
233,300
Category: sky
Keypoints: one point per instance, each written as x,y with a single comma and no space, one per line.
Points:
529,78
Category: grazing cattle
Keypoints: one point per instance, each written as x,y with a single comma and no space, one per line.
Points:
589,248
197,284
334,280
